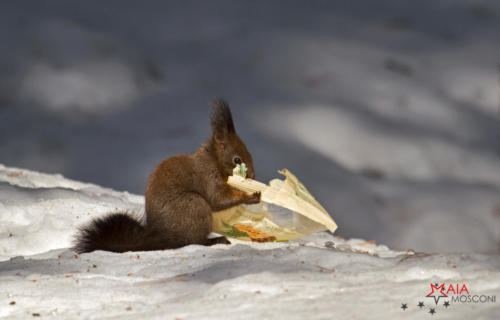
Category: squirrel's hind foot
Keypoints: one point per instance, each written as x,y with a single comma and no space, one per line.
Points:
218,240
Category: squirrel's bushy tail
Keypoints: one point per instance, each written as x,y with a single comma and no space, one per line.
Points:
118,232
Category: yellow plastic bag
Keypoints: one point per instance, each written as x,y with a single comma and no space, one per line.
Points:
287,211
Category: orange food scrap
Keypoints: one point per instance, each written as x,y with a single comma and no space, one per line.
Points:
254,235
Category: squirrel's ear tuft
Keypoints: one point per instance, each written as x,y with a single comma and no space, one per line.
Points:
221,119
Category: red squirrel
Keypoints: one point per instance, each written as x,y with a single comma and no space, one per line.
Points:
181,194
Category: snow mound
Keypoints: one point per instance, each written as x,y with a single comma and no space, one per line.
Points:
318,277
40,212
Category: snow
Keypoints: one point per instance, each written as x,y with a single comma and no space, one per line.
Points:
91,88
387,111
318,277
40,212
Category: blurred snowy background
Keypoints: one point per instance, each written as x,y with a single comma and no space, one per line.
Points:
389,111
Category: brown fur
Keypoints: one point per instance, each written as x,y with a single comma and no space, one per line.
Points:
181,194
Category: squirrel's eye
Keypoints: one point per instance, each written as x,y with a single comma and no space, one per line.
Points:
237,160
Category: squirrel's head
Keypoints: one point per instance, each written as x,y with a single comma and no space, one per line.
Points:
230,150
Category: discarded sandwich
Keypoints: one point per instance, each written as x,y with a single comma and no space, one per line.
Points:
287,211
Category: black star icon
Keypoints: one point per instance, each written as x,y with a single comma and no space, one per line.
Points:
432,311
446,304
420,304
404,306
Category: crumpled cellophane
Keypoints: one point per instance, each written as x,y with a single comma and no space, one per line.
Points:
287,211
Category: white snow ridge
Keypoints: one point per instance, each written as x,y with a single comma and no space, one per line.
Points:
319,277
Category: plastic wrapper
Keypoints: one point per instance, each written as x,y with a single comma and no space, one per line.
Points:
287,211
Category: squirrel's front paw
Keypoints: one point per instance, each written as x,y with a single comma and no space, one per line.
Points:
253,198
